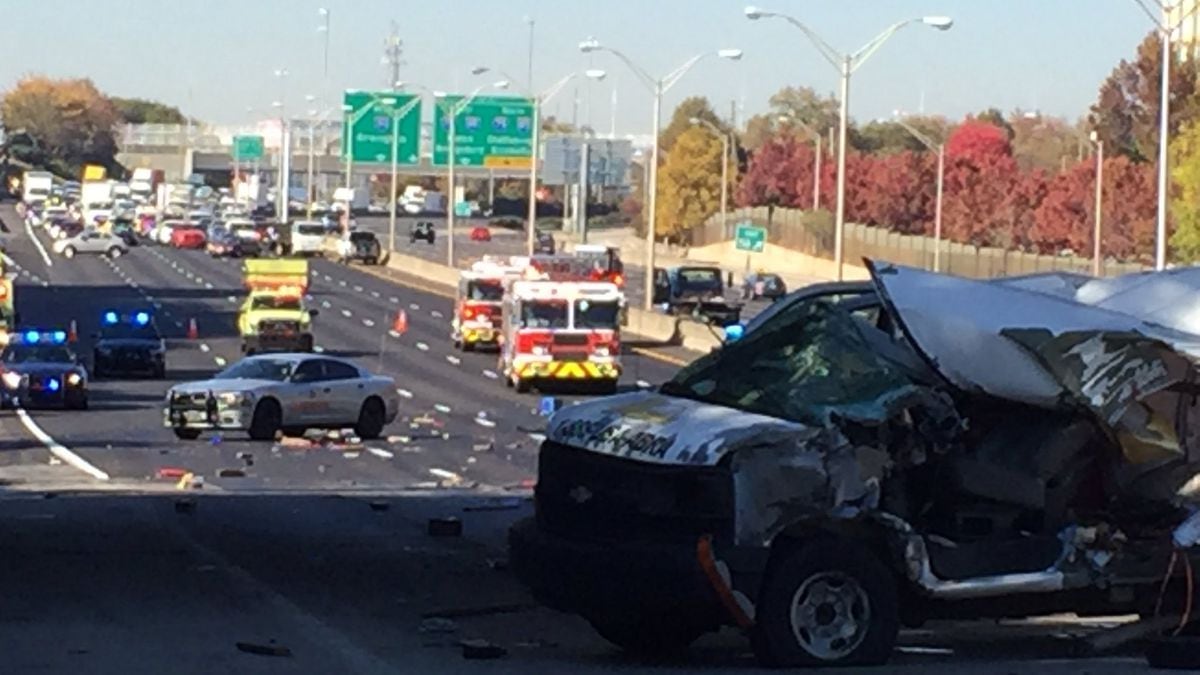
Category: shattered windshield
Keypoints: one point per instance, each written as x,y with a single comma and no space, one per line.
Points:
810,357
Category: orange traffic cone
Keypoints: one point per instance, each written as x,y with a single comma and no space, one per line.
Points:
193,332
400,325
73,332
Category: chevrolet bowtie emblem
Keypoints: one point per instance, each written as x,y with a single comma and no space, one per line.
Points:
580,494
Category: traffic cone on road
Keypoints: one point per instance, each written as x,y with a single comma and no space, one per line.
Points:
400,325
193,332
73,332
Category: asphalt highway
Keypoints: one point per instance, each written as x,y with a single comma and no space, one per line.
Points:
459,424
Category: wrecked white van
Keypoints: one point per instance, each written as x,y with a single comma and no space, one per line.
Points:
878,454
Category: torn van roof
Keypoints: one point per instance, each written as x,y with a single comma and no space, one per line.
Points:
1028,346
1170,298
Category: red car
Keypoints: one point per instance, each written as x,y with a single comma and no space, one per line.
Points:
480,233
188,237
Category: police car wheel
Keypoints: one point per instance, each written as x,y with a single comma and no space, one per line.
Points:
267,419
187,434
371,419
81,404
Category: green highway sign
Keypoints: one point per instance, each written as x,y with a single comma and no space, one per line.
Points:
369,118
247,147
491,131
750,238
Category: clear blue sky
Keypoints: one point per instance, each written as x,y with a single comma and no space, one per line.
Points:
216,58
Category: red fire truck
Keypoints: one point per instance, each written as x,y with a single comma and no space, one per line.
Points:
478,301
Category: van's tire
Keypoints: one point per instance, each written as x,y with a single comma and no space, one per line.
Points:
371,419
69,252
267,420
839,586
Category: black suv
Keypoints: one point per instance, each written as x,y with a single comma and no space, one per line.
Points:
422,229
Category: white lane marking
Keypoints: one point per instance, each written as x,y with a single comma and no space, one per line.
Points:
57,449
208,285
380,452
179,324
358,289
328,278
394,333
40,249
325,304
442,408
35,279
24,273
414,306
157,305
318,349
453,360
368,323
642,384
447,475
204,348
341,283
490,374
422,346
404,393
436,314
484,422
394,300
232,299
538,437
374,294
219,360
45,284
347,313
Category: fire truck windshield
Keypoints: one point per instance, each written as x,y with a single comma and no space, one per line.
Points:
485,291
592,314
544,314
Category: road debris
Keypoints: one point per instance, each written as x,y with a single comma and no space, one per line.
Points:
171,472
437,624
445,527
231,473
379,505
270,649
247,458
482,649
446,476
380,452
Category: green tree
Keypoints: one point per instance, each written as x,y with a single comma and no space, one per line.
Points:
804,103
689,183
1046,142
142,111
70,120
681,120
996,118
1185,198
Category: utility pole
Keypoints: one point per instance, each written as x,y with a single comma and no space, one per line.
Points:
393,51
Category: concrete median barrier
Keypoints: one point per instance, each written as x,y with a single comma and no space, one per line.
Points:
419,267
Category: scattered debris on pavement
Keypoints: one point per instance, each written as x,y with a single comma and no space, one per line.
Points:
269,649
231,473
445,527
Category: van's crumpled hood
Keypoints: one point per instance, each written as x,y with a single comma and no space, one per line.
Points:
1111,348
651,427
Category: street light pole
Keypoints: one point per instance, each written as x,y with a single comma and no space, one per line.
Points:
392,191
940,148
657,86
846,64
453,110
1096,261
1164,126
724,168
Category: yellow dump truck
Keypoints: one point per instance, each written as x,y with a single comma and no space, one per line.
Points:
273,317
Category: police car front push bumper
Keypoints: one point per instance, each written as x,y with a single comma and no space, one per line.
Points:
201,411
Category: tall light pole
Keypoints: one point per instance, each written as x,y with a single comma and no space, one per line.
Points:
324,28
816,138
529,68
846,64
658,86
1166,24
1096,261
397,115
281,183
696,121
451,111
940,149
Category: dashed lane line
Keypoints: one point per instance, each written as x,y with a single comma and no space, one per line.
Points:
38,244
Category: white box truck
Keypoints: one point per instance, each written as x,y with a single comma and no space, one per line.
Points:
36,185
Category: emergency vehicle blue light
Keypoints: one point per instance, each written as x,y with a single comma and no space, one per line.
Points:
52,384
31,336
110,317
59,336
141,318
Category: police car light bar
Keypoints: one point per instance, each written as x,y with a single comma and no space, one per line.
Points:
34,337
140,318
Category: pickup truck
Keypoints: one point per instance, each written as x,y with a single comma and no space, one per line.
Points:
695,290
